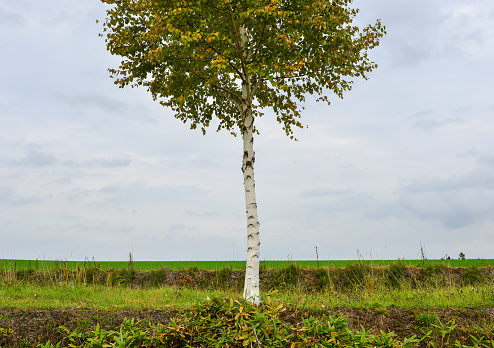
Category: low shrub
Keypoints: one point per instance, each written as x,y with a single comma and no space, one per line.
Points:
236,323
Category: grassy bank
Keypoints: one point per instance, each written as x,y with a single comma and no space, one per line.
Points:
95,316
11,265
29,295
358,305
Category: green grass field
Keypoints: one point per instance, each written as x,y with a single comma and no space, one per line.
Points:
10,265
27,295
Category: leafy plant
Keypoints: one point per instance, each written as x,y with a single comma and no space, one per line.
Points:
425,319
49,345
237,323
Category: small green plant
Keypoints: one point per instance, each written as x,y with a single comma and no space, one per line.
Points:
24,274
395,274
224,274
89,274
125,276
356,274
471,276
425,319
157,276
235,323
288,276
49,345
323,279
262,267
433,273
193,269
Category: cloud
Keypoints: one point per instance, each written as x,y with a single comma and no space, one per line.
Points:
26,200
325,192
457,201
487,160
480,178
422,30
109,162
422,113
8,196
151,194
8,19
467,28
84,100
428,124
34,157
471,152
452,210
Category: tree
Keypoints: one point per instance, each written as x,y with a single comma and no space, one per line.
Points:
230,59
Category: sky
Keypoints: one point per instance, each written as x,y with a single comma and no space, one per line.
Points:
405,160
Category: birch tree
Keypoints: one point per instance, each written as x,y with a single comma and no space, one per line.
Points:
231,59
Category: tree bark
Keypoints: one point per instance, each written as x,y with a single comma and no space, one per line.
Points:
251,286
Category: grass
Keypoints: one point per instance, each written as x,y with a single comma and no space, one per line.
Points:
10,265
201,322
28,295
421,303
22,294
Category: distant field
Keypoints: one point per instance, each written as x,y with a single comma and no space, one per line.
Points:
9,265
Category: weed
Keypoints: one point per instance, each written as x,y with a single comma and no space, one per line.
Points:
24,274
193,269
432,269
355,274
395,273
49,345
425,319
262,267
224,274
471,276
236,323
125,276
323,279
157,276
433,274
288,276
89,274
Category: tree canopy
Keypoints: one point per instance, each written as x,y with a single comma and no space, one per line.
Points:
192,57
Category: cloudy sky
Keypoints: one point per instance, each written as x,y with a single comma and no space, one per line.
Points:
405,159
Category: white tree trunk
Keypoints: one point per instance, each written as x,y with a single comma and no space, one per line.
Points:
251,286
